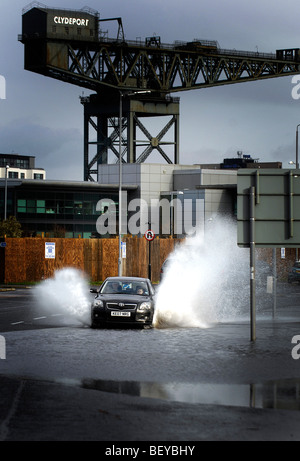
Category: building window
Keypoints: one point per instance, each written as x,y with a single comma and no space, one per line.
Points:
22,175
14,162
13,174
38,176
40,206
45,209
21,206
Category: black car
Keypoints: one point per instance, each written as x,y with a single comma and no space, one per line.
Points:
294,274
123,300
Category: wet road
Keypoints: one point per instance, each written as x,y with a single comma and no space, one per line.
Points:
50,345
189,366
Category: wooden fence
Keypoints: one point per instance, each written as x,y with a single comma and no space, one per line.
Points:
23,260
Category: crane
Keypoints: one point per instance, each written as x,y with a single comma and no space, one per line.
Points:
68,45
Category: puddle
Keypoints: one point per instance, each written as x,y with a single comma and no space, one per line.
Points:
283,394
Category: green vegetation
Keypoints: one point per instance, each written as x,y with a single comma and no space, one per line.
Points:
10,228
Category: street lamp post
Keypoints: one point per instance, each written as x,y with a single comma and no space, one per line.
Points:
120,186
5,193
297,161
297,166
120,171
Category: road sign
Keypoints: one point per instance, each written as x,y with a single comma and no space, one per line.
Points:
276,212
149,235
268,215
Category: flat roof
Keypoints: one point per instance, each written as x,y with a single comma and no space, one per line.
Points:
65,184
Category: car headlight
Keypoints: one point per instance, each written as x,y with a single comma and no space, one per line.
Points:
98,303
146,306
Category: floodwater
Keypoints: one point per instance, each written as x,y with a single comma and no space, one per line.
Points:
277,394
199,350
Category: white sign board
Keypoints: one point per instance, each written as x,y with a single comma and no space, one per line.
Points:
123,249
50,250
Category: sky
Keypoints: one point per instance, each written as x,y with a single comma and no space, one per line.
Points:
43,117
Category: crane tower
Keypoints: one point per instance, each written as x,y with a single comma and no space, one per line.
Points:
133,80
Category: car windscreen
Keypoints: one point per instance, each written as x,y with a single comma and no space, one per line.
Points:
125,287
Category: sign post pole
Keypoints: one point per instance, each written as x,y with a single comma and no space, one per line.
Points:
274,282
252,263
149,235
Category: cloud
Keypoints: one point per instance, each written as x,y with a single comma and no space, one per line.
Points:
58,151
30,138
42,116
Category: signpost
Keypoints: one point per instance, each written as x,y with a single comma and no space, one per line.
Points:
123,250
149,235
268,215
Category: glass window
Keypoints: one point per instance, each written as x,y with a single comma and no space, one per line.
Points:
40,206
21,206
38,176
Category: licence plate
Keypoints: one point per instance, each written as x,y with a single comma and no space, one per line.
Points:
120,314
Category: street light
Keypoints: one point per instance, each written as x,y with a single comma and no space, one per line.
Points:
120,185
120,171
297,161
297,166
5,193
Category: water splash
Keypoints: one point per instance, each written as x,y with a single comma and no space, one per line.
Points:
66,293
206,280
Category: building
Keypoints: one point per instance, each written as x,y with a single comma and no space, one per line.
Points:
20,167
56,208
170,199
174,199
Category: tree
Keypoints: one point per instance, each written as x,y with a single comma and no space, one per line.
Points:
10,228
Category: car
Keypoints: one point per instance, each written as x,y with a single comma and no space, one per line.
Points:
294,274
123,301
